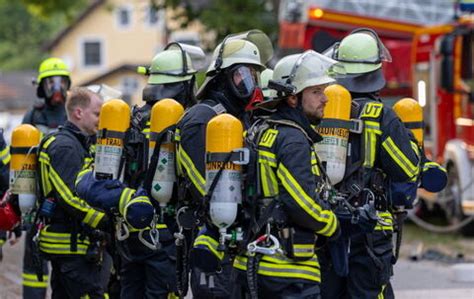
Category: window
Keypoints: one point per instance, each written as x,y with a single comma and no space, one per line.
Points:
124,16
92,53
152,15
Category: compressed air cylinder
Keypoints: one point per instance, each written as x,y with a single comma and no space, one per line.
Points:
23,165
164,114
334,128
223,135
113,123
411,114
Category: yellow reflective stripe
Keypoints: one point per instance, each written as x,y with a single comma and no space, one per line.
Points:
125,197
146,131
5,155
269,181
428,165
62,248
267,157
209,243
81,174
45,182
177,135
380,295
54,237
48,142
371,130
198,181
90,219
415,148
281,259
303,250
43,157
2,241
314,164
281,270
158,226
93,217
306,202
31,280
399,158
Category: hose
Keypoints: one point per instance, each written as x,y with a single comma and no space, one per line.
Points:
438,228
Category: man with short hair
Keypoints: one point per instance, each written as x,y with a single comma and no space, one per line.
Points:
67,221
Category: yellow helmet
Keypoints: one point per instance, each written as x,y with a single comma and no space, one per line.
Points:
53,80
52,67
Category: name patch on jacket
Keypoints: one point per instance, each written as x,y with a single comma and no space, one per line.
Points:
268,138
372,110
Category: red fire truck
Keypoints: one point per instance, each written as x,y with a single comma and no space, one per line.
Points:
431,43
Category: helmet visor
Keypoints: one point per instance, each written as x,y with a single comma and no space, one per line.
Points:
244,79
195,53
320,65
54,84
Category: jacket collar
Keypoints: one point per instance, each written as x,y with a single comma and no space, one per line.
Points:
82,137
297,116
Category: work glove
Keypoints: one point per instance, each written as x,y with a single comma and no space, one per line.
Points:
362,220
205,256
139,211
101,194
403,194
433,177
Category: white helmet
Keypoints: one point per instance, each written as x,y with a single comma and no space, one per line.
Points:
294,73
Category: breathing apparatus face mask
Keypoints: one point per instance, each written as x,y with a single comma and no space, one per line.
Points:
182,92
55,89
244,82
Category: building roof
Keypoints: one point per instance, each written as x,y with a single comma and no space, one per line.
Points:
48,46
16,90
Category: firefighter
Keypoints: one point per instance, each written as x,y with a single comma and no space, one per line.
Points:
148,272
231,86
381,152
280,261
53,82
47,115
69,228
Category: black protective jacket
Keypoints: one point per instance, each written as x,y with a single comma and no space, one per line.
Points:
62,155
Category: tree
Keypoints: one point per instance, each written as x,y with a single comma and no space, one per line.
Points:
22,34
229,16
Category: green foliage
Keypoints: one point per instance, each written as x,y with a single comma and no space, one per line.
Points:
47,9
229,16
22,35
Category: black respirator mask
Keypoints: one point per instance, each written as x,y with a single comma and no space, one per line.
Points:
182,92
244,84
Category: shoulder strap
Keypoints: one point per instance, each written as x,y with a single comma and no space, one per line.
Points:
289,123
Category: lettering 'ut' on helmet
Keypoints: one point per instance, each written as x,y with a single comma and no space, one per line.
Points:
361,53
53,80
294,73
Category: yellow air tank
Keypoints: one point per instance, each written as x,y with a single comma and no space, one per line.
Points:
23,165
165,113
114,121
334,128
411,114
224,135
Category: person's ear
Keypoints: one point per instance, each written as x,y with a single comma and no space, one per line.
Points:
78,113
292,101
